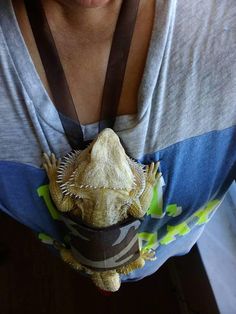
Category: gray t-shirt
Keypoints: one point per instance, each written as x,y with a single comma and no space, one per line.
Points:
186,119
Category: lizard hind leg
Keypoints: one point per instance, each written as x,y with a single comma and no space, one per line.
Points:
106,280
138,263
68,258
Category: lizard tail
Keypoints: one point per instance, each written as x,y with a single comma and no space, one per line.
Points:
107,280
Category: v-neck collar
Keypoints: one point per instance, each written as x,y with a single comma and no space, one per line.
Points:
36,91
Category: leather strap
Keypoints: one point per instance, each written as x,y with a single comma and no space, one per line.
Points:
56,77
117,62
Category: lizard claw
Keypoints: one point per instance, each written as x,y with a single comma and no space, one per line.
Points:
51,164
152,172
148,255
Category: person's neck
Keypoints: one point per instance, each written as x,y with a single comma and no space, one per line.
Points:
82,16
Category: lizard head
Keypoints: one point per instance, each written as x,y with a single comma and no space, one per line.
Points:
102,179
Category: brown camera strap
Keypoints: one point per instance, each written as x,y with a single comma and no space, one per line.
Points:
56,77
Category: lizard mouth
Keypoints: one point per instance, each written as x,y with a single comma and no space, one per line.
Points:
70,185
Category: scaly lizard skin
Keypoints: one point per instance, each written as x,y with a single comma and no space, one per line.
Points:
103,186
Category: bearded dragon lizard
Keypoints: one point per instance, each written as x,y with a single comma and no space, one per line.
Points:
103,187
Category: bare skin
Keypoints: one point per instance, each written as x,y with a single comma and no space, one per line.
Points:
83,31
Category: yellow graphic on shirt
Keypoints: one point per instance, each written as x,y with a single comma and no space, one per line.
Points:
152,240
204,214
148,240
172,231
43,191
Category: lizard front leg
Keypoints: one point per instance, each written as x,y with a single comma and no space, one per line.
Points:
152,175
63,203
140,206
68,258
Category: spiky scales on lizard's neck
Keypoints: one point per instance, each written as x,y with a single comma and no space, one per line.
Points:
104,177
103,164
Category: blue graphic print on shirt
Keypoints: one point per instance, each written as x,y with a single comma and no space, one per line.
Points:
195,178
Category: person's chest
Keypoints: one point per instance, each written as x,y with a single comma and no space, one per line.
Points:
85,63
